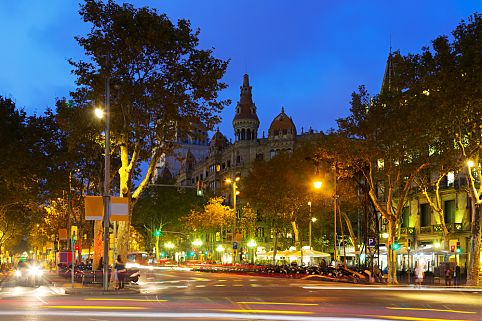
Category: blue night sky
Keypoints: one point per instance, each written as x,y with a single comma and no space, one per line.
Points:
308,56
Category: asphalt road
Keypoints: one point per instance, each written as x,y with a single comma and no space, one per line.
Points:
186,295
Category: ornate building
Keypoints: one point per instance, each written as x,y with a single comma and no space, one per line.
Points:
225,159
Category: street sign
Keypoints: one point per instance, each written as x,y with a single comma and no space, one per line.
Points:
94,208
63,234
371,241
235,245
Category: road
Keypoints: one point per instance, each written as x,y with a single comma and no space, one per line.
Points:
187,295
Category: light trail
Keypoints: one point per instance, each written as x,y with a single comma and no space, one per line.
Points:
278,303
128,300
188,315
434,310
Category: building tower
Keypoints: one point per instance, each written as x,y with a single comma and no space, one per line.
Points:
246,122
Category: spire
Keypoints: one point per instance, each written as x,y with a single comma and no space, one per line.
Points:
246,97
387,84
282,109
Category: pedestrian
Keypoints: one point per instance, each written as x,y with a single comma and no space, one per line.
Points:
457,275
120,271
418,275
448,276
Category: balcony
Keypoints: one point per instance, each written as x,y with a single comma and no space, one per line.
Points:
437,228
407,231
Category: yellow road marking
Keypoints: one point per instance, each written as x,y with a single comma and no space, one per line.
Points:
93,307
268,311
407,318
278,303
132,300
219,285
435,310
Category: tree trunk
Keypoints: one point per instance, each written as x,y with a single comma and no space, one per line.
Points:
275,249
392,255
474,247
295,231
98,244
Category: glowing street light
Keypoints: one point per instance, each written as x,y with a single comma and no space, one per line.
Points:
470,163
169,245
197,242
99,113
317,184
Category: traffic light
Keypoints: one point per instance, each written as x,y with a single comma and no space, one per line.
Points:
157,233
77,247
409,245
199,188
452,248
458,250
396,246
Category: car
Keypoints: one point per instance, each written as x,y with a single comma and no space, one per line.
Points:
28,273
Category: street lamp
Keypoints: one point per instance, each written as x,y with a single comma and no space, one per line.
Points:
233,182
252,244
100,114
169,246
309,230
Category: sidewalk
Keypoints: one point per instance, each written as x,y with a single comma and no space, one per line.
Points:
86,289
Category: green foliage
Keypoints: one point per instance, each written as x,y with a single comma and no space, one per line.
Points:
213,216
281,187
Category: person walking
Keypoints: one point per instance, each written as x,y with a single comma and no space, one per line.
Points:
120,271
448,276
418,275
457,275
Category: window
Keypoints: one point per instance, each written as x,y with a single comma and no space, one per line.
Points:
424,215
449,212
276,132
285,132
238,159
259,156
450,178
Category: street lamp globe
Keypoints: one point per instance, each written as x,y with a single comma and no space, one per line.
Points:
317,184
252,243
99,113
314,219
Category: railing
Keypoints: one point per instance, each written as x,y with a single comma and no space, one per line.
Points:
455,227
407,231
437,228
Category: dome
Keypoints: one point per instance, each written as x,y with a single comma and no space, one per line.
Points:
282,126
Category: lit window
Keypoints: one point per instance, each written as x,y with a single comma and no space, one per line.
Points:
450,178
381,163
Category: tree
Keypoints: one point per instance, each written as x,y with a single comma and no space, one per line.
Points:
280,189
453,88
383,143
163,206
212,218
162,85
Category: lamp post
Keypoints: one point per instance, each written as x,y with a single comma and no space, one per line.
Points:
309,226
220,250
99,113
252,244
233,182
335,199
197,243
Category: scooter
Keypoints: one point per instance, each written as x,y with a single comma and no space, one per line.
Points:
134,276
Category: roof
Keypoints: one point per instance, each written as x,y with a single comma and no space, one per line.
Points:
246,109
282,121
